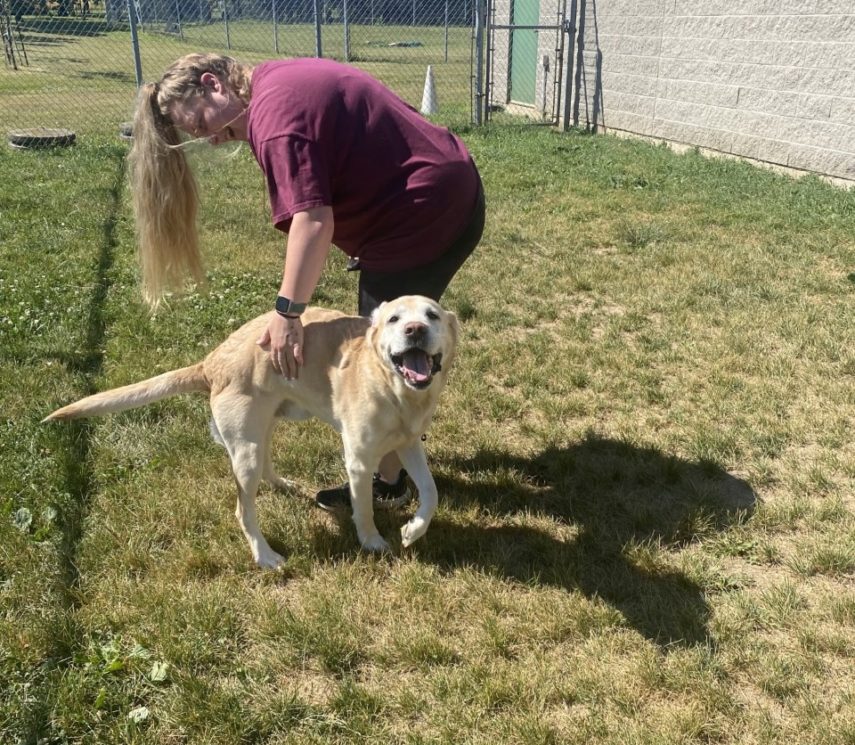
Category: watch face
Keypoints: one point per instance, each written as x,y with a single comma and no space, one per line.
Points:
284,305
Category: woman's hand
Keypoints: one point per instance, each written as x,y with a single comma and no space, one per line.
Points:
283,338
308,245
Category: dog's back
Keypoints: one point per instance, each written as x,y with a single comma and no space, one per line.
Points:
237,362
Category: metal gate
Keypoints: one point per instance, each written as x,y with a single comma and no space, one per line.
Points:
527,67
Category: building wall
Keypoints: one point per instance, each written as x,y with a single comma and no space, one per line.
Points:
772,80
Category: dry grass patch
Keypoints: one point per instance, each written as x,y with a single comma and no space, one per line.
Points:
645,531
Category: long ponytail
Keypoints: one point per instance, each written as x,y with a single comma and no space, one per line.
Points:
164,191
165,200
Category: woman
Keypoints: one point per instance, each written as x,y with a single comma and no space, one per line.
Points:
346,162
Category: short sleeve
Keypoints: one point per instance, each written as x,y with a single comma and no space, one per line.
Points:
297,177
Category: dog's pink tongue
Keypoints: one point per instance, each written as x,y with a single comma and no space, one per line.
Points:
416,366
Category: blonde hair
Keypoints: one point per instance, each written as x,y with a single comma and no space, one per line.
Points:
164,193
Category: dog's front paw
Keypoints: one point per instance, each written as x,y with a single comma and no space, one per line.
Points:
269,559
375,544
413,530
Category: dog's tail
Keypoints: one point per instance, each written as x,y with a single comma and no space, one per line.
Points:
184,380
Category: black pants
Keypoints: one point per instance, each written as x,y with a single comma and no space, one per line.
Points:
429,279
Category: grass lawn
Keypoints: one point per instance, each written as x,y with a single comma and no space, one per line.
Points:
645,458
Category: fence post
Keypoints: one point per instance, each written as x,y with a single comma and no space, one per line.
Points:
480,11
319,52
226,22
275,28
446,30
346,32
135,42
570,30
178,20
580,60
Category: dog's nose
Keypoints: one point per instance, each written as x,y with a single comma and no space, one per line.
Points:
415,330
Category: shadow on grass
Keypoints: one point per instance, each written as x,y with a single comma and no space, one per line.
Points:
617,498
66,26
86,364
121,77
72,442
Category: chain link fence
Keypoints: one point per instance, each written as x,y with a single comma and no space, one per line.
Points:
526,58
74,64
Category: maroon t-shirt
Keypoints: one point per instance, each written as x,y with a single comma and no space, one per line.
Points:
327,134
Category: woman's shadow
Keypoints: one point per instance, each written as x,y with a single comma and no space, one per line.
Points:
616,503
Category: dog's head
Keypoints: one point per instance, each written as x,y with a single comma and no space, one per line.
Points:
415,338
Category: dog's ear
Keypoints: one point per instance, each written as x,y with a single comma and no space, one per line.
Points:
372,334
375,314
453,334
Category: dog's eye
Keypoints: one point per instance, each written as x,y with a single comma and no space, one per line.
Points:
392,319
433,315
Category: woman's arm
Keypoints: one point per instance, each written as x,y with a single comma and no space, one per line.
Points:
309,241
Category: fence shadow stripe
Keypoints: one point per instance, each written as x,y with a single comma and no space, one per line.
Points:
76,442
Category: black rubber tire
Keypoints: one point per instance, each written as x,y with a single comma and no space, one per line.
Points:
126,130
41,137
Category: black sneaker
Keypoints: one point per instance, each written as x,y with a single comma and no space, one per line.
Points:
386,496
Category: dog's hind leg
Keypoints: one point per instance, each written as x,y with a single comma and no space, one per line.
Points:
245,428
270,475
415,461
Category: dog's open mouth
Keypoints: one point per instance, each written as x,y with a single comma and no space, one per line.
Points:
417,367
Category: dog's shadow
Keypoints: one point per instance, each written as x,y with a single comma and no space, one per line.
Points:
616,503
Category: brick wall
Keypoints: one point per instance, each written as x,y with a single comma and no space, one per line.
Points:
772,80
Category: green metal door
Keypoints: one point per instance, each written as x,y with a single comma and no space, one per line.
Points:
524,50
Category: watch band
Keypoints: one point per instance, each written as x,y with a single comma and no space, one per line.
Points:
288,308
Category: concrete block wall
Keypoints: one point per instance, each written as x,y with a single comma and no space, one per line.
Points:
772,80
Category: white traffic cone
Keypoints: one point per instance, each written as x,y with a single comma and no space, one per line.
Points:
429,104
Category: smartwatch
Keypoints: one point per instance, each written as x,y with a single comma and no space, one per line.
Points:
288,308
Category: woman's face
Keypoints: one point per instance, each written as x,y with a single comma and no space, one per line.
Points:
218,114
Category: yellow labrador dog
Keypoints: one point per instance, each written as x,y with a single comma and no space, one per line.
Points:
377,382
